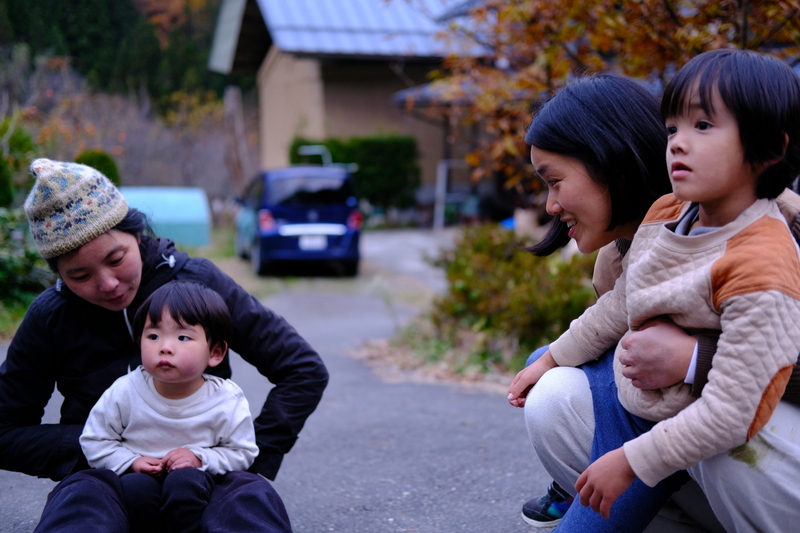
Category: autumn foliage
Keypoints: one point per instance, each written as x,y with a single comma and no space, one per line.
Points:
532,47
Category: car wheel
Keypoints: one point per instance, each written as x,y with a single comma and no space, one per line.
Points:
259,267
350,268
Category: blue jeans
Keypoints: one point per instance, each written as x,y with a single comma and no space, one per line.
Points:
614,426
537,353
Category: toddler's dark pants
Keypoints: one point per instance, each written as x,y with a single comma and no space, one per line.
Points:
173,503
93,500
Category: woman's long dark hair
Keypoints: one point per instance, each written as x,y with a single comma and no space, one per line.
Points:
613,126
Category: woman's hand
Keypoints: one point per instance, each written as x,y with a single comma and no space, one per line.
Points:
181,458
147,465
604,481
657,355
527,378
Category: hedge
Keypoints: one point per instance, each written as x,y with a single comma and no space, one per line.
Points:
388,173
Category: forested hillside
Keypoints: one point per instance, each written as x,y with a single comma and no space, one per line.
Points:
124,77
122,45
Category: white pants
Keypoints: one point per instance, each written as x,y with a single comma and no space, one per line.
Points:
753,489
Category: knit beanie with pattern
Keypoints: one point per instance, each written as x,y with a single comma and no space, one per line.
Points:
69,205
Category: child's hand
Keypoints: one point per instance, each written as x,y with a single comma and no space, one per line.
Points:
527,378
604,481
147,465
180,458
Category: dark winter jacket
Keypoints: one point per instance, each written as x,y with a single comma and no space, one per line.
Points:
81,348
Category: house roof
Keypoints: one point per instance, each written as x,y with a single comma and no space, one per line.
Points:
349,28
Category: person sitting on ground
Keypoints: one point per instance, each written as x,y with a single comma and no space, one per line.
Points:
77,336
167,427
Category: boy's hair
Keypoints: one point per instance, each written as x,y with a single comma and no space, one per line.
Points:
612,125
762,93
187,303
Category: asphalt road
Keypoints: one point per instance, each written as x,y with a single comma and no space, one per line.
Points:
375,456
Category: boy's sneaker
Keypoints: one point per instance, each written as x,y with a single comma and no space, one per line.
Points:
546,512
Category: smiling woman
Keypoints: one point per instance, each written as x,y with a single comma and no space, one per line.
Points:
580,202
599,145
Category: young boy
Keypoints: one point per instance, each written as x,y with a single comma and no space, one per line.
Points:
715,255
166,427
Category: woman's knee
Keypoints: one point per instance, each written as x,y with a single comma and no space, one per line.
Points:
560,420
90,500
562,396
243,501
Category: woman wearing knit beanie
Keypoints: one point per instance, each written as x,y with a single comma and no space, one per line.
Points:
77,336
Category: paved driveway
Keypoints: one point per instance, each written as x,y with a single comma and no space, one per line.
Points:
375,456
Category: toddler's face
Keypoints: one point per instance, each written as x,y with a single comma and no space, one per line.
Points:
176,354
705,160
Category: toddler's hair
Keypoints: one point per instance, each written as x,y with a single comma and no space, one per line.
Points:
763,95
189,303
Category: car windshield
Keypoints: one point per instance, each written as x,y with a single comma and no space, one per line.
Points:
310,190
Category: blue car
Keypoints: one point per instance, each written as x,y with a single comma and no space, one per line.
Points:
300,213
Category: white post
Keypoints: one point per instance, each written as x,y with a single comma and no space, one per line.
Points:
440,194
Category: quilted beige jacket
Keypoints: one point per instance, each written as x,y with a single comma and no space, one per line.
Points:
742,279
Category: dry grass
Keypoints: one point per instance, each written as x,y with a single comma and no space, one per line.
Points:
396,363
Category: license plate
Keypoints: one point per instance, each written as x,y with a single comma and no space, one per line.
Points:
313,242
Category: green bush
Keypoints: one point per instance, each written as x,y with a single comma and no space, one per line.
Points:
503,302
388,173
100,161
17,151
22,270
6,189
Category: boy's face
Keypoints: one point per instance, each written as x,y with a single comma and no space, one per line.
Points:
706,163
176,355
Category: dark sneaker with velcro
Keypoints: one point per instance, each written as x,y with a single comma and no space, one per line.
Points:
546,512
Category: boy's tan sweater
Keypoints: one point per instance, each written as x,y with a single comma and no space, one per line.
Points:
742,279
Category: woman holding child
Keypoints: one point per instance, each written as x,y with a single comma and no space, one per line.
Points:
733,129
78,336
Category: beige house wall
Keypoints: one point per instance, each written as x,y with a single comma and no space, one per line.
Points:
315,99
290,104
358,102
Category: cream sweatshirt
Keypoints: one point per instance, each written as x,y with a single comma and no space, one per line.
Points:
131,420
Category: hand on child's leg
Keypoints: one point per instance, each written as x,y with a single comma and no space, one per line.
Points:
604,481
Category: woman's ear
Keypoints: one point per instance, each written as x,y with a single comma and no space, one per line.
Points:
218,352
